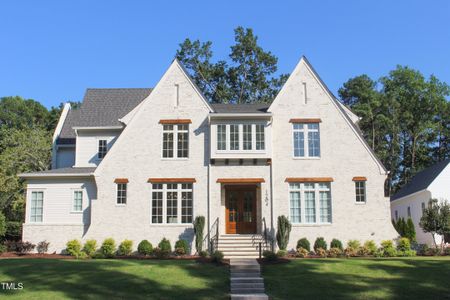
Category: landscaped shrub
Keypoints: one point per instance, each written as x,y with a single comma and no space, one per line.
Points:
181,247
321,252
42,247
199,226
145,248
433,251
3,248
19,247
403,244
217,256
407,253
334,252
410,230
302,252
126,247
269,255
335,243
164,249
90,247
304,243
350,252
355,244
282,253
320,243
73,248
387,249
447,251
363,250
284,229
371,246
203,253
108,248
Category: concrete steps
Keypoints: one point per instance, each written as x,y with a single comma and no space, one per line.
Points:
240,245
246,282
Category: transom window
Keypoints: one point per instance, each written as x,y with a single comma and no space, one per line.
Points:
37,204
306,140
172,203
121,193
241,137
360,188
102,148
77,201
310,203
178,148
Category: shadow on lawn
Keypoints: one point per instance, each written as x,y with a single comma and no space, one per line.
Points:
359,279
117,279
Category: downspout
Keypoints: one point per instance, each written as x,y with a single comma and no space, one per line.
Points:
271,207
208,186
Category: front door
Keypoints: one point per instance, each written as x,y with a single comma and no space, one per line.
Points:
240,203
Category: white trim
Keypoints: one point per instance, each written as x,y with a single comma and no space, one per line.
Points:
175,132
59,126
74,190
240,115
25,175
97,128
409,195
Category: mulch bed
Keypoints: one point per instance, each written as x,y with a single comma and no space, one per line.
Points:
34,255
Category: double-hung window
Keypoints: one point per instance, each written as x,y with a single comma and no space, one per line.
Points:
121,193
77,201
241,137
175,141
306,139
102,148
360,190
310,203
37,206
172,203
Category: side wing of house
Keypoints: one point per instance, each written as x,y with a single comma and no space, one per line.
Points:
326,178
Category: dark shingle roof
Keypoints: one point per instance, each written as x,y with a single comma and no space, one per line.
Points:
241,108
101,107
61,171
422,180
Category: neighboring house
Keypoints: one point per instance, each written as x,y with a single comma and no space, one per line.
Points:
142,164
413,198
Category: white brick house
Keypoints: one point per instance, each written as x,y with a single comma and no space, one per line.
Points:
141,164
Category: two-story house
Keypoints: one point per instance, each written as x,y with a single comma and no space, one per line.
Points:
143,163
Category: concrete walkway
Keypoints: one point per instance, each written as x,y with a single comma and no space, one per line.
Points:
246,281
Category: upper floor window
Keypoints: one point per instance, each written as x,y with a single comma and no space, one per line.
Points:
121,193
396,215
175,141
245,137
37,206
423,207
102,148
306,140
360,189
409,211
172,203
77,201
310,202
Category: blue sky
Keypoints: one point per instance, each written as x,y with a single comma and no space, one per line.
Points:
52,51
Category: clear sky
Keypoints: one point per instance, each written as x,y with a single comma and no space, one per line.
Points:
52,51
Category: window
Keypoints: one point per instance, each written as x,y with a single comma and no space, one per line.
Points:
172,203
360,187
247,129
310,203
77,201
121,193
180,148
396,215
234,137
409,212
260,140
423,207
102,148
306,140
37,204
221,137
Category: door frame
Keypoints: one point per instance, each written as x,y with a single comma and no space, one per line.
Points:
242,188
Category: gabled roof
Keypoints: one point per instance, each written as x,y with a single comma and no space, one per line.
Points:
241,108
62,172
101,107
421,180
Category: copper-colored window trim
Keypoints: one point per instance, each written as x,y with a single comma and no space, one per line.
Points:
121,180
171,180
309,179
305,120
240,180
175,121
359,178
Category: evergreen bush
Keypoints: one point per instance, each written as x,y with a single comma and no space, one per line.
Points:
90,246
284,229
320,243
108,248
199,226
303,243
145,248
335,243
73,248
181,247
125,248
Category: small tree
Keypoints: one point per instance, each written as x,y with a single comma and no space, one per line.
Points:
199,226
284,229
410,230
436,219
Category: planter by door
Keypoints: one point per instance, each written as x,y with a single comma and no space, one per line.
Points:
240,203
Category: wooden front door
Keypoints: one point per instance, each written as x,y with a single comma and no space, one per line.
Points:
240,203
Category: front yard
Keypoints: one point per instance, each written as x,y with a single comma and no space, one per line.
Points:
395,278
114,279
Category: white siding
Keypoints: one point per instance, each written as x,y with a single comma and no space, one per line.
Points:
65,157
87,145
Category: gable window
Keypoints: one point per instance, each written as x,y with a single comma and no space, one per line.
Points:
77,201
360,189
37,206
310,203
172,203
121,193
175,141
306,140
102,148
409,212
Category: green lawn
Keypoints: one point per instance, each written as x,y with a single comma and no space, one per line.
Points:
397,278
114,279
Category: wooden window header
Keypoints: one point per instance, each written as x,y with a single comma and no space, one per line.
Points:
121,180
240,180
171,180
305,121
309,179
175,121
359,178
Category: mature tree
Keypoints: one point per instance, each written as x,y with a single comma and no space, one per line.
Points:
247,76
16,112
436,220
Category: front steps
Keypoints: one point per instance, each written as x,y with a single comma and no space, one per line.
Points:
246,282
241,245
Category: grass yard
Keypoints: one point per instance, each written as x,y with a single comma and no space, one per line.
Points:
397,278
114,279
